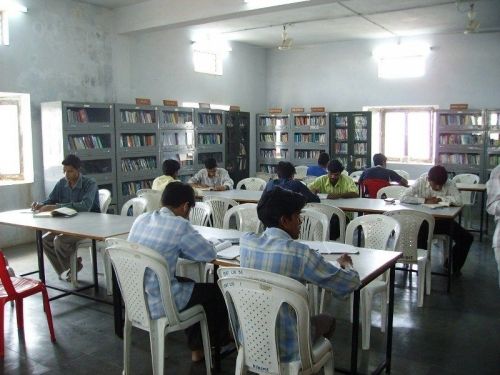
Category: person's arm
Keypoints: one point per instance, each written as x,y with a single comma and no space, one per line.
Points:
397,178
453,196
194,246
310,196
411,195
89,190
195,180
493,192
226,181
54,195
315,186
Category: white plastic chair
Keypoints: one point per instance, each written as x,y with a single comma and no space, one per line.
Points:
252,183
137,206
356,175
392,191
410,222
315,225
153,198
246,218
329,211
219,206
104,201
200,214
255,328
377,232
423,174
130,262
468,197
301,171
403,174
264,176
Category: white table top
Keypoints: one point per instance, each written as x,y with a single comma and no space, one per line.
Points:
85,225
241,196
471,187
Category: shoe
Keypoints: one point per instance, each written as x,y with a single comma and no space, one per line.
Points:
79,267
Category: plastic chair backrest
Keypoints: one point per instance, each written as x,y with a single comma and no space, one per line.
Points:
468,197
423,174
139,206
153,198
345,173
5,278
371,186
219,206
252,183
301,171
377,230
395,192
410,222
356,175
104,200
246,218
244,289
315,225
200,214
130,262
264,176
403,174
329,211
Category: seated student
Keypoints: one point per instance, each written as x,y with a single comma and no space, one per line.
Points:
276,251
435,188
335,184
74,191
493,207
212,177
170,169
320,169
377,177
286,171
169,232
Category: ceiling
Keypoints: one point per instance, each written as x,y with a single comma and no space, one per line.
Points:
310,22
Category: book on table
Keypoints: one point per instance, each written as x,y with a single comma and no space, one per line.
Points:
226,250
58,212
330,247
436,205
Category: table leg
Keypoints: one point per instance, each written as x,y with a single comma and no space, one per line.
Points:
216,356
450,261
355,331
481,218
39,251
94,266
390,316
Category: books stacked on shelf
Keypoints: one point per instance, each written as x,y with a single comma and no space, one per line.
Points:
341,148
242,162
341,134
494,140
360,122
494,160
85,142
178,118
307,154
318,121
137,140
131,187
273,153
178,139
268,168
360,148
96,166
273,121
310,138
359,163
210,119
461,139
284,137
360,134
467,159
341,121
137,164
457,119
210,138
77,115
343,160
267,137
202,156
138,117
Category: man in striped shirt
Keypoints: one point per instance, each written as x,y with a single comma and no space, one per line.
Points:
276,251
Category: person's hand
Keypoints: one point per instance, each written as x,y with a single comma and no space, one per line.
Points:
314,191
219,188
47,207
432,200
331,196
35,206
344,260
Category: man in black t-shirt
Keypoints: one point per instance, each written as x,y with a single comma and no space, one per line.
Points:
379,176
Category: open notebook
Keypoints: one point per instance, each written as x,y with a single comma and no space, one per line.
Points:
436,205
226,250
61,212
330,247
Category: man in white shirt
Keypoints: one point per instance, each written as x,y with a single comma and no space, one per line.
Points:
435,188
212,177
493,207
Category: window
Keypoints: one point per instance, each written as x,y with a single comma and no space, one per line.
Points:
207,62
16,158
405,60
406,134
4,29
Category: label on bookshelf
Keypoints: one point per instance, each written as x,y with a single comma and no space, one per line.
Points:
459,106
275,110
142,101
297,109
234,108
317,109
170,103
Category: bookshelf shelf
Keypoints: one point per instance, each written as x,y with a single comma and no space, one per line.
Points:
210,136
310,137
237,145
274,141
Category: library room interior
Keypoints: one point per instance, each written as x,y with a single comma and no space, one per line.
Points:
303,186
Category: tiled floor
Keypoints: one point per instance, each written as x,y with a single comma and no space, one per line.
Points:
455,333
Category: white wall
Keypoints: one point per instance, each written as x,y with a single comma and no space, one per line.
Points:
59,50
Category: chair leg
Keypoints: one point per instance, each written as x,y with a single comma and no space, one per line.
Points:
19,314
73,261
384,301
329,367
127,330
157,341
366,318
240,368
428,277
108,273
206,344
48,313
2,305
422,275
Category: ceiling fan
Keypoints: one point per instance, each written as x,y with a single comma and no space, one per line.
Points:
286,42
472,23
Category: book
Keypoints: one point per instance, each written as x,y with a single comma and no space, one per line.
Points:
58,212
226,250
436,205
331,247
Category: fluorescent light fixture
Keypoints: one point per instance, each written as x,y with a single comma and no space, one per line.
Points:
271,3
12,6
222,107
190,105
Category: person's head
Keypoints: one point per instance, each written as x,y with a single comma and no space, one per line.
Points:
178,197
71,168
280,208
379,159
335,169
437,177
211,167
170,167
323,159
285,170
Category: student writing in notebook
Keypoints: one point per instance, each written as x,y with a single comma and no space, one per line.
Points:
212,177
75,191
276,250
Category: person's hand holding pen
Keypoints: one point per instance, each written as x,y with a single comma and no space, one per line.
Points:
432,200
345,261
35,206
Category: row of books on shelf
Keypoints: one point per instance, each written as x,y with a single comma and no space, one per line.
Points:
274,153
310,121
468,159
360,134
270,137
341,134
210,119
178,118
97,166
77,115
493,160
310,137
137,140
360,121
307,154
360,163
85,142
210,139
178,139
137,164
184,159
341,148
273,121
268,168
460,139
239,164
132,187
360,148
138,117
461,120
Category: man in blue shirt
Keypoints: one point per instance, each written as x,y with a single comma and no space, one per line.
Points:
169,232
74,191
286,171
276,251
320,169
379,176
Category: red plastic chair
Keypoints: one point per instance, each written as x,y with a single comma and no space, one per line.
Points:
16,289
369,187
